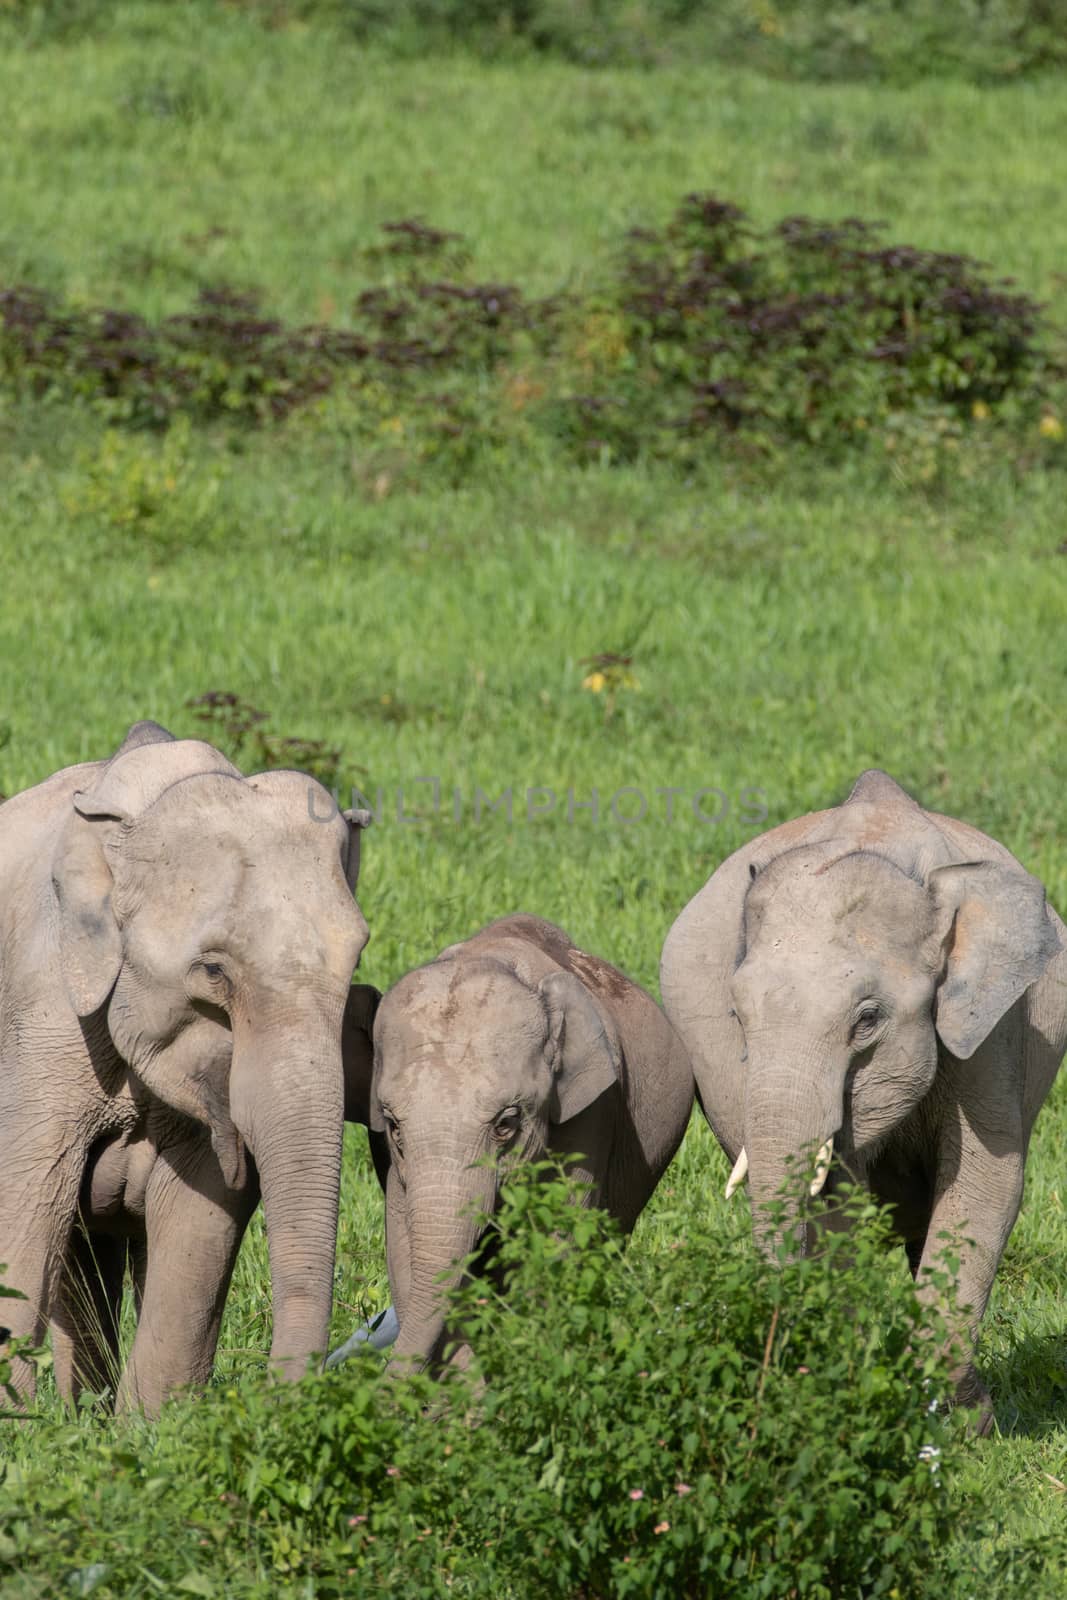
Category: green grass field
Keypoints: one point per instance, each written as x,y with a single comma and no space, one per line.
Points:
789,624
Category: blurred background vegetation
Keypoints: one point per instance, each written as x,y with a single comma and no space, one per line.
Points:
561,397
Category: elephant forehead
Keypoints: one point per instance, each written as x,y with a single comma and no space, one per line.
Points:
198,824
458,1000
217,874
187,876
460,1018
819,977
297,815
819,985
858,900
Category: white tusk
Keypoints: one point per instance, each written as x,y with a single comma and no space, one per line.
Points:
822,1166
738,1175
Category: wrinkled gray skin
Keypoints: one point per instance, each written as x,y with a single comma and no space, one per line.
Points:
177,944
511,1045
891,978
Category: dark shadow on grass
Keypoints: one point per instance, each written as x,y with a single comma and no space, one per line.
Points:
1029,1386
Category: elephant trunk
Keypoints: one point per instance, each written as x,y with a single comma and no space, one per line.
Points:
791,1117
287,1101
443,1228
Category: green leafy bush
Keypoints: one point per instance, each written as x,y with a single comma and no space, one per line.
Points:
809,331
709,334
903,41
693,1423
900,40
221,359
12,1349
151,491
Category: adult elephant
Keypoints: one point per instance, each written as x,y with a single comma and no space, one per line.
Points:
510,1045
888,984
177,944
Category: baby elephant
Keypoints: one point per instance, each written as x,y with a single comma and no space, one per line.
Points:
513,1044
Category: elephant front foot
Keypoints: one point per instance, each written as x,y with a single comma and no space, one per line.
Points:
972,1395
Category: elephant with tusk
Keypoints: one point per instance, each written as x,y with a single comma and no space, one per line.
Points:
178,946
512,1045
887,984
825,1155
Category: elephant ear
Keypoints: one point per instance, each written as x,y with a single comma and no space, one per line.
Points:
142,733
997,940
583,1046
357,1051
356,821
147,762
89,935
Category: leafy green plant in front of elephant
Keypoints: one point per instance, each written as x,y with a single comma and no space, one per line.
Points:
16,1350
886,984
507,1045
700,1422
179,944
690,1421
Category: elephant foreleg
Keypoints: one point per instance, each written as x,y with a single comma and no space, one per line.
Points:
978,1211
85,1318
36,1216
194,1229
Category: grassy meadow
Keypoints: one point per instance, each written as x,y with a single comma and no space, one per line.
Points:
788,621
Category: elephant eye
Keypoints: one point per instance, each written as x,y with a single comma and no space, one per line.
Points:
866,1022
507,1124
392,1128
209,981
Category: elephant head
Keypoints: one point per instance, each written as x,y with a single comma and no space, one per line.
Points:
472,1061
208,921
854,976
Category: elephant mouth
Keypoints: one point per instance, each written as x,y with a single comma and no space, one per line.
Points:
835,1159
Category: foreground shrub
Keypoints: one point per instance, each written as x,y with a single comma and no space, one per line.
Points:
705,1424
689,1424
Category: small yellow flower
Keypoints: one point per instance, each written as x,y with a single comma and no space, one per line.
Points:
595,682
979,411
154,581
1050,427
